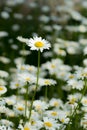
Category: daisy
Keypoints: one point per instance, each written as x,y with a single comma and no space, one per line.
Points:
76,84
21,39
3,90
37,43
84,121
84,101
2,82
48,82
19,108
27,126
10,100
24,52
26,77
7,123
63,117
4,60
57,103
36,123
50,124
40,105
51,114
3,74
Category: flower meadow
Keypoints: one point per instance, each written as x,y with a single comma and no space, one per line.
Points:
43,65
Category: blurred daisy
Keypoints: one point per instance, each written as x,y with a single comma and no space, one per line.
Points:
3,74
19,108
63,117
84,121
40,105
50,124
3,90
56,103
52,114
24,52
76,84
84,101
48,82
27,126
26,77
85,51
21,39
6,123
4,60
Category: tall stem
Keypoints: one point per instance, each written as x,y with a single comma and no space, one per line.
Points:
38,69
46,93
26,99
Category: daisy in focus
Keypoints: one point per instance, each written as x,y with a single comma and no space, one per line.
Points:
36,43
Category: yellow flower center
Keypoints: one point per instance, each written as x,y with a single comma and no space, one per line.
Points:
49,124
56,103
20,108
85,101
62,74
30,68
22,68
71,76
72,101
60,51
39,44
33,122
84,74
38,107
54,113
17,85
1,88
62,120
85,122
53,66
47,82
26,128
27,79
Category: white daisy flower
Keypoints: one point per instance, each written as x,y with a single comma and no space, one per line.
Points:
2,82
27,126
36,123
19,108
50,124
10,100
56,103
84,101
6,123
48,82
37,43
3,90
4,60
3,74
21,39
63,117
26,77
51,114
76,84
84,121
40,105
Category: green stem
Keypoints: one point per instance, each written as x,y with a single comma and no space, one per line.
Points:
38,69
23,56
46,93
74,112
17,95
26,99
